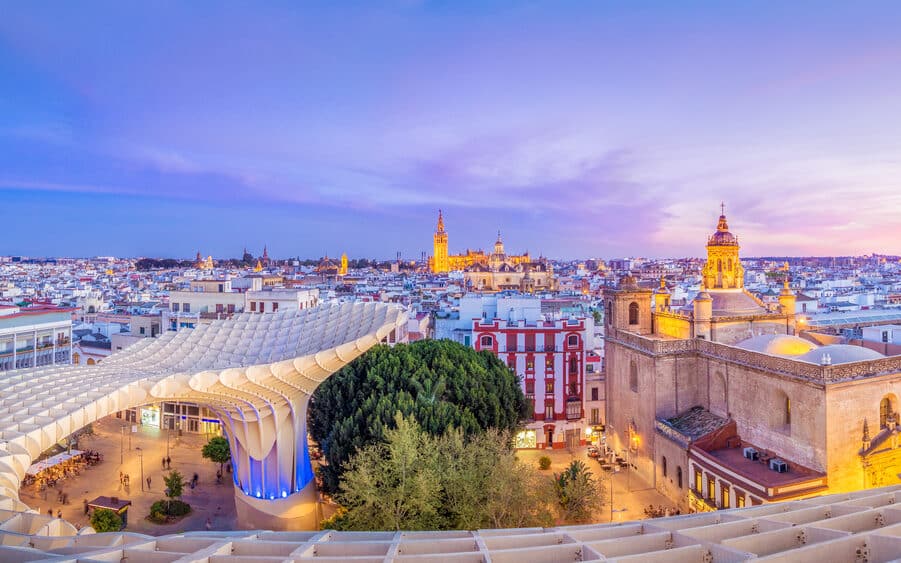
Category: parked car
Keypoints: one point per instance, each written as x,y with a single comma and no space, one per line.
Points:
593,451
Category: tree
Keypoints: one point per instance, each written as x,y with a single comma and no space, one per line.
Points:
217,450
440,383
105,520
175,484
579,495
393,485
415,480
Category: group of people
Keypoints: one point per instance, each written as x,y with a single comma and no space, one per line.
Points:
652,511
71,467
167,462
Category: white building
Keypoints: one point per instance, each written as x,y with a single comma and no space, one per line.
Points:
34,336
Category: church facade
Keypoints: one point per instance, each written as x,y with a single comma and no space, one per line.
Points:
721,404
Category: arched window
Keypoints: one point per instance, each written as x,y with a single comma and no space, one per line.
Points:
486,341
633,376
886,410
633,313
91,361
788,411
664,465
782,411
679,476
573,340
719,265
76,358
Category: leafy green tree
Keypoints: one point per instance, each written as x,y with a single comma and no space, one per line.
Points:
105,520
417,481
217,450
393,485
175,485
579,494
440,383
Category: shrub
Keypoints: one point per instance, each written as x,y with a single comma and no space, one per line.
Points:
544,463
105,520
162,510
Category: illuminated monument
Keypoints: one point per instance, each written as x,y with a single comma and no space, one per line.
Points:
256,372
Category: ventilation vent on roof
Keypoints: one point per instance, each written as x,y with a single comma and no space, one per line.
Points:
778,465
752,454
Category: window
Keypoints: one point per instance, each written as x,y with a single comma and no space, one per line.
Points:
530,343
725,499
885,336
549,411
679,476
187,308
594,393
231,308
221,288
788,411
141,330
530,364
485,341
262,306
274,307
633,376
739,499
549,386
595,416
511,342
549,362
219,307
574,365
663,465
573,410
699,483
633,313
573,340
253,306
711,488
530,386
175,307
886,411
511,363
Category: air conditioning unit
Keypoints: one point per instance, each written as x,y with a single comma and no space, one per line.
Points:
778,465
752,454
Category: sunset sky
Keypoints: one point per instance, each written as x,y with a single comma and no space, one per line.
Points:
576,128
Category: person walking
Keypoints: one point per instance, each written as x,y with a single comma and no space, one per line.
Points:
85,507
148,482
164,463
168,462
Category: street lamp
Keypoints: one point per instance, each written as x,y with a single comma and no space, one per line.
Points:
122,446
141,455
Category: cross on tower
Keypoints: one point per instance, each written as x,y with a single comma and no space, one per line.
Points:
722,208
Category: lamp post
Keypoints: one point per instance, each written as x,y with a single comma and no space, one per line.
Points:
122,446
141,455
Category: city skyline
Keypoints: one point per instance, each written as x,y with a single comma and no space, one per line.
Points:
577,130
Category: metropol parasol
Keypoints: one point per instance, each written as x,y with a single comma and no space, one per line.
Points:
257,372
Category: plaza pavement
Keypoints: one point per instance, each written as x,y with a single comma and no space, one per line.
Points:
207,500
630,494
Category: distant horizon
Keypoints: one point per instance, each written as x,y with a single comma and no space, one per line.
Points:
407,259
577,129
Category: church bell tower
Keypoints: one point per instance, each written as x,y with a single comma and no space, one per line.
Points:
440,262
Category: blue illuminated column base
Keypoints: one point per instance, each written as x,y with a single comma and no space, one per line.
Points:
297,512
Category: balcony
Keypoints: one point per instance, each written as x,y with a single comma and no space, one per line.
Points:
698,503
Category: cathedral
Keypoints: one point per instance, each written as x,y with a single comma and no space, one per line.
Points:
493,272
725,403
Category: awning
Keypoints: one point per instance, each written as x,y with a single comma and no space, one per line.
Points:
51,461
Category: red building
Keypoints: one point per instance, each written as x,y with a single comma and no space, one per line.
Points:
550,358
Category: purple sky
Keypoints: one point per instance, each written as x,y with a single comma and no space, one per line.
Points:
577,128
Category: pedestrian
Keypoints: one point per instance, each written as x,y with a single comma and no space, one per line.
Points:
164,463
196,478
209,524
168,462
85,507
50,512
148,482
59,513
121,477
